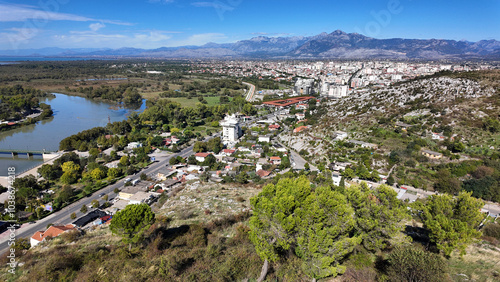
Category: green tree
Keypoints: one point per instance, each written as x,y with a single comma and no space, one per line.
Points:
348,173
124,161
323,233
132,222
452,222
412,264
84,209
317,226
97,174
114,172
94,204
66,193
378,213
94,152
73,216
50,172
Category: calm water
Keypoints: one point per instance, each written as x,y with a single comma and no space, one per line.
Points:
71,115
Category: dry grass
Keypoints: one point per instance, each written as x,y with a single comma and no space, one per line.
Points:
198,203
481,263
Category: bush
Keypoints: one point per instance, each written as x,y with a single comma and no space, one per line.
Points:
492,230
412,264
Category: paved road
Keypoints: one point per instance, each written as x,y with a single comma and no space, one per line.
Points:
250,92
62,217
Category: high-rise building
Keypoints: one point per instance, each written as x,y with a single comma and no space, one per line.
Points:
231,130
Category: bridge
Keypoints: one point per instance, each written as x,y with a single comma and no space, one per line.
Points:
28,153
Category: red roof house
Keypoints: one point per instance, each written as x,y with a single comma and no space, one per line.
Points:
51,232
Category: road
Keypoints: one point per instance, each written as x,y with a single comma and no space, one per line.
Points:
62,217
250,92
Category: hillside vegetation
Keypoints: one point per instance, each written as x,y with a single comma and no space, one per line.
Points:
454,114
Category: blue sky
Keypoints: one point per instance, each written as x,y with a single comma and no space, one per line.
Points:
156,23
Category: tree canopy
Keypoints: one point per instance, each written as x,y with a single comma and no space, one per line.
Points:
132,222
452,221
320,225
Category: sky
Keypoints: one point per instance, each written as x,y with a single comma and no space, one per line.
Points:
152,24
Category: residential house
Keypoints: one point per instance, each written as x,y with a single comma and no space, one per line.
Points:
431,154
164,173
228,152
364,144
437,136
139,198
336,177
263,173
340,135
275,160
274,127
300,128
51,232
134,145
201,156
300,116
265,138
301,106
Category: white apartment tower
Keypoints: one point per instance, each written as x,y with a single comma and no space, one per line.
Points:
231,130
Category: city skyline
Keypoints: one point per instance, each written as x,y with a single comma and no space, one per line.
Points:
167,23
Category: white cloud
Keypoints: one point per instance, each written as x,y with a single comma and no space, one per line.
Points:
22,13
96,26
216,5
91,39
12,38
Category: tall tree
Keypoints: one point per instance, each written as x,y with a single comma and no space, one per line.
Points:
323,234
132,222
379,214
452,222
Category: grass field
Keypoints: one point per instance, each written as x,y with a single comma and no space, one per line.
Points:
185,102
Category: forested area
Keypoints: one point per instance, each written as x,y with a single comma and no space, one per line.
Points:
17,101
324,226
125,92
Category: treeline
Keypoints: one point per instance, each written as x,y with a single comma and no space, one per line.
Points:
17,101
323,227
28,71
74,141
263,83
126,92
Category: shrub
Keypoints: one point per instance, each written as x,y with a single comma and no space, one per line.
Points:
412,264
492,230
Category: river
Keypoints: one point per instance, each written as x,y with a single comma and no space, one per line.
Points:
72,114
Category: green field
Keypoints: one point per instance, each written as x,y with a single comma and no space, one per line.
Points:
185,102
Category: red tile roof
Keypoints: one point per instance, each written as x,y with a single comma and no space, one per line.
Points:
263,173
53,231
300,128
288,102
203,155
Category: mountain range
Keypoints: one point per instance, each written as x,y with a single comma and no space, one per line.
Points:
335,45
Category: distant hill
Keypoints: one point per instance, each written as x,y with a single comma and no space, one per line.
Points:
336,45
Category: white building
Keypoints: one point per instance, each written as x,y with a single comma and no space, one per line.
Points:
304,86
337,91
265,138
231,130
134,145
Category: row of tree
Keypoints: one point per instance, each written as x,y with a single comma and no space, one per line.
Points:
323,225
